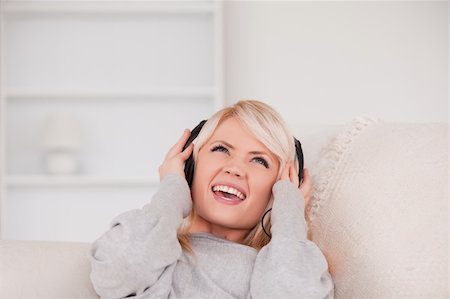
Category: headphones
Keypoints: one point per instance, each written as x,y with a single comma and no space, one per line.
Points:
189,164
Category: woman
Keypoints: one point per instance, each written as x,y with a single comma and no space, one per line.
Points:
208,241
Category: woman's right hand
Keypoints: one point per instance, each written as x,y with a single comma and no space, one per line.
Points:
289,173
175,157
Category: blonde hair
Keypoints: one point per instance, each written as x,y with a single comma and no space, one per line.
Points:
270,129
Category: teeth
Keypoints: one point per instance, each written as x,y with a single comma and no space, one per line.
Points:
230,190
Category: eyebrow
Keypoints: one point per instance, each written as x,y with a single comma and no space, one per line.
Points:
252,152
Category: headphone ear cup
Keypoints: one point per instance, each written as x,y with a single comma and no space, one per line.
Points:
298,150
189,164
189,170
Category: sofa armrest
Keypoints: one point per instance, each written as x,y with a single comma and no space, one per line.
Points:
45,269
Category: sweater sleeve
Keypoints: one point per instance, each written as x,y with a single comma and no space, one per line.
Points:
290,266
141,247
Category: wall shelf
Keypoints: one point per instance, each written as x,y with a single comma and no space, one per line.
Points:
81,181
109,7
160,93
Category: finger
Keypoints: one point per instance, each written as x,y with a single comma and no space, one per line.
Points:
306,176
306,185
293,174
178,146
285,172
187,152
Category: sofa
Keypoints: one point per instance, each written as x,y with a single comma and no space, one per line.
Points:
379,213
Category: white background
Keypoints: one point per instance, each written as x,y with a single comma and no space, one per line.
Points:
325,62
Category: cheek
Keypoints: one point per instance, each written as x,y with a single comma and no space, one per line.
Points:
201,168
262,191
262,187
264,181
202,178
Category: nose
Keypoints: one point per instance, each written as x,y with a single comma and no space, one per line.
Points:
235,170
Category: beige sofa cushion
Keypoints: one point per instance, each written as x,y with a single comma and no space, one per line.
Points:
42,269
379,210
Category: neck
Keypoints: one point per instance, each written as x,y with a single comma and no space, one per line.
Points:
200,225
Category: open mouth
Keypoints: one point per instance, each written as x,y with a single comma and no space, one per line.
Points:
228,194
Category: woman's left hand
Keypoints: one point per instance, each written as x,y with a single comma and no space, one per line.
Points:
289,173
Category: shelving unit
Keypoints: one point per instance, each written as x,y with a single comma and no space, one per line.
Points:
167,76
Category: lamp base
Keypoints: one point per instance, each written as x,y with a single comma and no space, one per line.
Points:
61,163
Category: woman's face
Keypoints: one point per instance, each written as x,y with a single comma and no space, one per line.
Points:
233,179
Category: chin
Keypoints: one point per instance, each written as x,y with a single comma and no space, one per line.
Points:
226,219
231,216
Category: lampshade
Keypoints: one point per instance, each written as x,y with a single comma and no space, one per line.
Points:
61,132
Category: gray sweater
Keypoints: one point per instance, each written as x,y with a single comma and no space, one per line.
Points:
140,256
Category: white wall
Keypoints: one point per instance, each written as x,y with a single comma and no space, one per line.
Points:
326,62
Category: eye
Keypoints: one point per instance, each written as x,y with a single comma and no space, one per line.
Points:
261,161
219,148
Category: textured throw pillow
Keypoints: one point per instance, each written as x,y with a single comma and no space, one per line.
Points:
379,211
